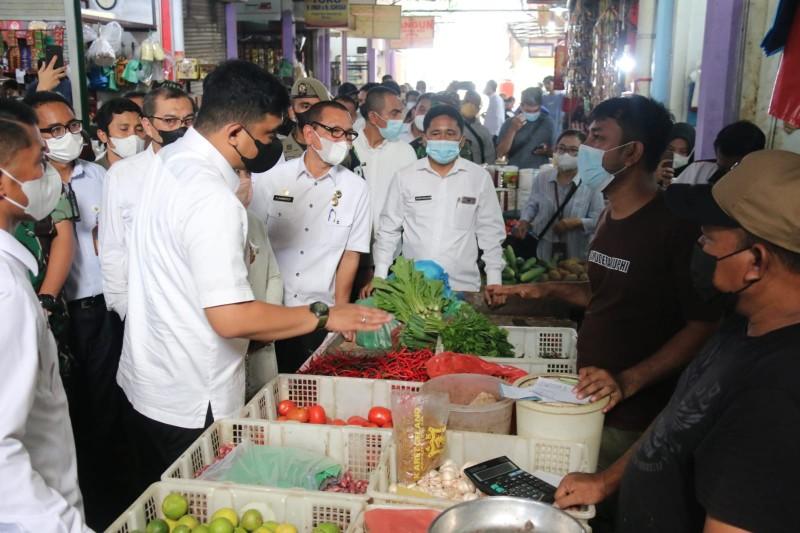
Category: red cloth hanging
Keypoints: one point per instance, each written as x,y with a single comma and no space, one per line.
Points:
785,104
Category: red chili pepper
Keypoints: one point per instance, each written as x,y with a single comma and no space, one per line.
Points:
405,365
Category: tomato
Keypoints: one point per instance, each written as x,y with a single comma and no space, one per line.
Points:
339,422
388,424
357,421
298,414
380,416
283,418
285,406
316,414
370,425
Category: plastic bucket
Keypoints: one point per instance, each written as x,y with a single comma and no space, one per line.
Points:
562,421
463,388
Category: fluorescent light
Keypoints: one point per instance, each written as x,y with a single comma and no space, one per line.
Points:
93,13
626,63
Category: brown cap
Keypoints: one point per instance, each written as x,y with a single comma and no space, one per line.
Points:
310,88
762,193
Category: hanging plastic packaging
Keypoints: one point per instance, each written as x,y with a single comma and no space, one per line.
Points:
105,48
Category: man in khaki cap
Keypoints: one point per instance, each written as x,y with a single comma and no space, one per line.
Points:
722,456
305,93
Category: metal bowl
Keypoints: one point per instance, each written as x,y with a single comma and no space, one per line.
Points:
501,514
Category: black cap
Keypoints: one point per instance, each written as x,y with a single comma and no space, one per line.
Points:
696,203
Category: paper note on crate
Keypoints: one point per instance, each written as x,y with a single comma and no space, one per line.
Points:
544,390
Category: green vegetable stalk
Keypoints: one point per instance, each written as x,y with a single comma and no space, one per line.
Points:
470,332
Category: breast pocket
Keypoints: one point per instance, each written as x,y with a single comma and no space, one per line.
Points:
283,223
338,224
464,213
420,211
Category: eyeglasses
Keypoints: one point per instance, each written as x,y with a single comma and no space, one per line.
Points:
571,150
173,122
337,132
59,130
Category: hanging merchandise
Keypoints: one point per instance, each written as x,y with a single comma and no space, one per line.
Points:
104,49
606,51
785,103
579,64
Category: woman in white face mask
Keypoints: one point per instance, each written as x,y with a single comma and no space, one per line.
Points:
119,127
679,153
561,213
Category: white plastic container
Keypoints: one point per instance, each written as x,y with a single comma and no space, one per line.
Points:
462,389
341,397
562,421
305,510
357,449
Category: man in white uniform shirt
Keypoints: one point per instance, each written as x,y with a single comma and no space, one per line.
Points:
191,309
318,216
168,113
38,472
445,208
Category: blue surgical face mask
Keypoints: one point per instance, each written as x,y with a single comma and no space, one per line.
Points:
532,117
443,152
392,130
590,167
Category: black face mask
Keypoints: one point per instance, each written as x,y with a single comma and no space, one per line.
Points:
265,159
169,137
702,268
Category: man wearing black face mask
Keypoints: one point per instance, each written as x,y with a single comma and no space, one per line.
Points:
722,456
168,113
191,308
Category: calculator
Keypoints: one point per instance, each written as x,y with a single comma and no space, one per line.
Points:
501,477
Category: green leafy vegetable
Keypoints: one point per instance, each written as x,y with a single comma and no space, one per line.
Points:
470,332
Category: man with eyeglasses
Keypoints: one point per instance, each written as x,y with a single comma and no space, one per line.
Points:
305,93
318,216
95,334
169,112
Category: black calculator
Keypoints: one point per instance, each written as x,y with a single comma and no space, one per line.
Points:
501,477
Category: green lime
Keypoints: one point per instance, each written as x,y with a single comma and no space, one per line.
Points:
252,520
326,527
157,526
174,506
220,525
189,521
201,529
181,529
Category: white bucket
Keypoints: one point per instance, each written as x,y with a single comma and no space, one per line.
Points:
562,421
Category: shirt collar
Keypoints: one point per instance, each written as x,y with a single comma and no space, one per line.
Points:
458,167
302,170
14,248
553,176
200,145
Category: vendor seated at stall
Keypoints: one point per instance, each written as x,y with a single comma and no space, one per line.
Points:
722,456
445,208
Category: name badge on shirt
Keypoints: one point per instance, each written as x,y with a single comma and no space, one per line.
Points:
422,198
282,198
469,200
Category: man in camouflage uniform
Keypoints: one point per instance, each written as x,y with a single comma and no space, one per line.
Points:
305,93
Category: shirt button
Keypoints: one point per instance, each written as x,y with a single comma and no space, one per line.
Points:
306,229
297,274
295,296
301,252
310,205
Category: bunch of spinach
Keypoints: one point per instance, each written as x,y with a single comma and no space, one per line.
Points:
470,332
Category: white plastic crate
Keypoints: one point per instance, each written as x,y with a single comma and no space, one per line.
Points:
533,455
356,449
538,350
304,509
341,397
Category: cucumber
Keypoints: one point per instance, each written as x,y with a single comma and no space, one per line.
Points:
532,274
509,273
527,265
510,257
520,262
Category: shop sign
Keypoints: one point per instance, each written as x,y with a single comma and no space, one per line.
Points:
375,22
416,32
327,13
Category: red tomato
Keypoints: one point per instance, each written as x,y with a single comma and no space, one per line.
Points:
370,425
285,406
316,414
283,418
387,424
298,414
357,421
380,416
339,422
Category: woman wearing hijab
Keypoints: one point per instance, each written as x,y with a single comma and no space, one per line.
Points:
679,153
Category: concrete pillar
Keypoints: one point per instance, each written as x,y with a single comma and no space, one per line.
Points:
344,57
287,34
372,59
719,77
231,32
662,50
644,47
326,58
390,60
177,28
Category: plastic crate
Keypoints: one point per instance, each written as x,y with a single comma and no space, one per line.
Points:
305,510
538,350
532,455
341,397
356,449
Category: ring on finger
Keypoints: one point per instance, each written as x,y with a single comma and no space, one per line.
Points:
363,319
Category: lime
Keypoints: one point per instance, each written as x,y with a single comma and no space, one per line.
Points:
227,512
327,527
240,530
189,521
263,529
181,529
286,528
270,526
220,525
157,526
171,523
174,506
252,520
201,529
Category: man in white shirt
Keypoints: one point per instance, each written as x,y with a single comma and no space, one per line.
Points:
119,128
191,309
168,113
318,216
38,473
445,208
495,112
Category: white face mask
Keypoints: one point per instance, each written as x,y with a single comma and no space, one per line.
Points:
333,153
66,149
566,161
419,122
680,160
127,146
42,193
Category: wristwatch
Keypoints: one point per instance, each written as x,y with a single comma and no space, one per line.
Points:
320,311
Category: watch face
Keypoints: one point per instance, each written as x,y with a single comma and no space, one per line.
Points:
106,4
319,308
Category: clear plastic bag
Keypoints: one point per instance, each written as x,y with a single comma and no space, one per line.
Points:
271,466
383,338
103,51
420,423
